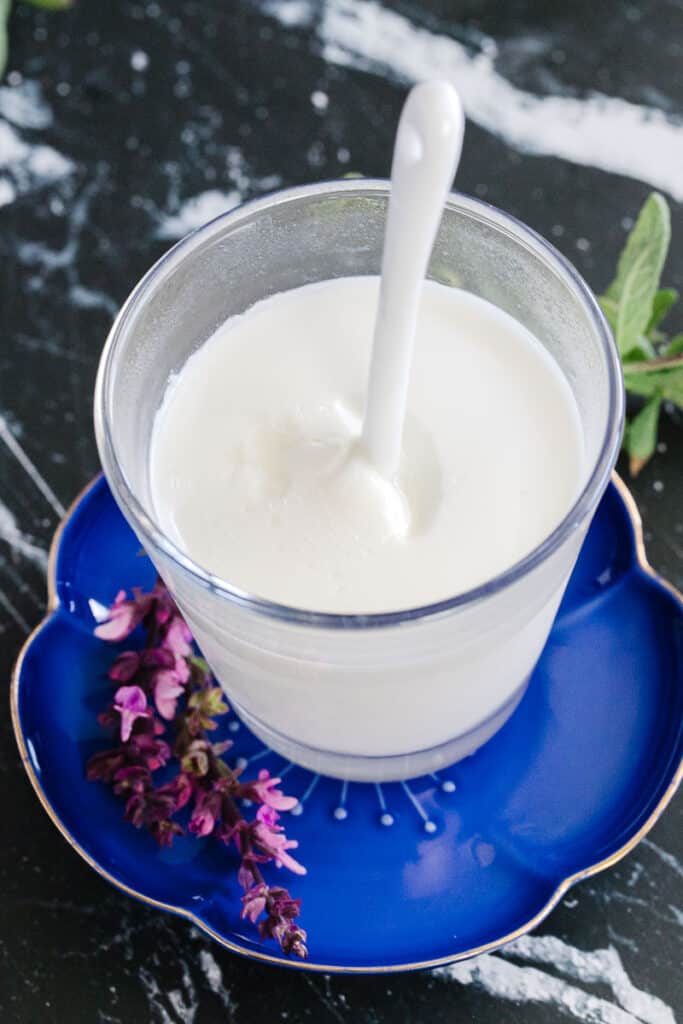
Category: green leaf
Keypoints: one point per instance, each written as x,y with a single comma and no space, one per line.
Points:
214,703
635,305
640,439
610,308
675,346
651,234
644,349
668,384
663,301
51,5
5,8
642,352
199,663
640,267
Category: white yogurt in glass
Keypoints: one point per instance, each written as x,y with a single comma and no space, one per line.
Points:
257,469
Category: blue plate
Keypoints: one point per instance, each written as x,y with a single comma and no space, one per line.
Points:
400,875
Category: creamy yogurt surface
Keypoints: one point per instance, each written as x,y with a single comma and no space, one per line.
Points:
257,469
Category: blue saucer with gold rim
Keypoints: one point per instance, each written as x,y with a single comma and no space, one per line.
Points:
400,875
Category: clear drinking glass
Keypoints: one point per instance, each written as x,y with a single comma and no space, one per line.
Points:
361,697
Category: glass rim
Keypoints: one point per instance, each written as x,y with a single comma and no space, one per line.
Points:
145,522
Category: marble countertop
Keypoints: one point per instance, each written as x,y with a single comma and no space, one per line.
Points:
122,126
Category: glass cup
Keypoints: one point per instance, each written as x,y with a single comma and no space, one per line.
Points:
361,697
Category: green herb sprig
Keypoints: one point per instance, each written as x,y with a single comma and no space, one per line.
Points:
635,306
5,10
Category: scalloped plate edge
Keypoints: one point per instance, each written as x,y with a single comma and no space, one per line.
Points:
282,961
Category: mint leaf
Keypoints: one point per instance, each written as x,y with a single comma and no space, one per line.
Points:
199,663
641,353
644,349
640,439
663,301
635,305
668,384
675,346
5,8
640,266
51,5
651,233
610,308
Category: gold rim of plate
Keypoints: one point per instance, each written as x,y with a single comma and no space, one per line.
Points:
561,889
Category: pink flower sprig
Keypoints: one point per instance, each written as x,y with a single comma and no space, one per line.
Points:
164,682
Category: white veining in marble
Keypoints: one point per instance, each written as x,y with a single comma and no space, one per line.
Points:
90,298
291,13
30,467
666,857
13,612
597,130
214,978
184,1000
158,1013
24,106
183,215
503,979
24,164
599,966
20,543
197,210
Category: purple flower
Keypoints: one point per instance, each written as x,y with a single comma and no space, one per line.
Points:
206,811
195,760
291,937
134,778
131,704
125,667
279,924
178,637
157,657
281,912
254,901
184,789
179,790
151,806
263,791
124,616
164,605
281,903
268,816
105,765
164,831
270,838
245,873
146,749
181,668
238,833
154,678
167,689
202,822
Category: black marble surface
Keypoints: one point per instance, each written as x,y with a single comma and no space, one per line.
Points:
112,117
